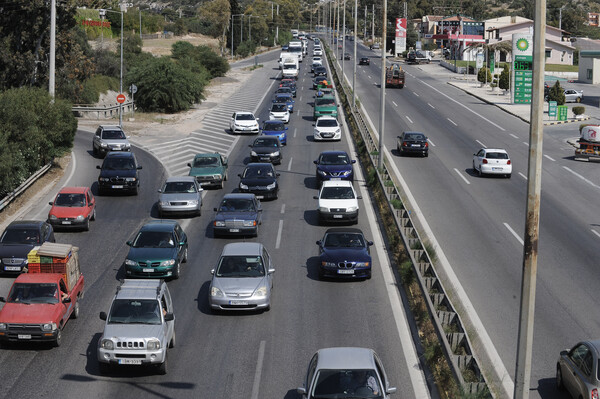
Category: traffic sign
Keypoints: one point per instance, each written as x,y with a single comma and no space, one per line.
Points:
133,89
552,106
121,98
562,112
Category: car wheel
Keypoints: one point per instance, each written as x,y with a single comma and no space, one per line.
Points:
162,368
177,271
86,225
135,190
199,212
103,368
58,339
94,151
226,176
368,276
185,255
172,343
321,274
426,154
222,185
508,175
478,172
75,313
93,217
559,380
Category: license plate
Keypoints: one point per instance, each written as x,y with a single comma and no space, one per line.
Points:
415,145
24,336
238,302
338,216
148,270
496,168
12,268
345,271
130,361
336,178
119,186
204,183
234,230
66,222
260,196
264,158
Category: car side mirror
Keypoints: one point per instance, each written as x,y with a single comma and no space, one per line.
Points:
316,162
257,119
159,190
391,390
212,271
301,391
50,203
98,167
359,197
169,317
259,210
67,300
354,161
129,243
239,175
189,165
2,299
103,316
319,243
271,271
181,243
369,243
215,209
139,167
315,197
277,174
250,145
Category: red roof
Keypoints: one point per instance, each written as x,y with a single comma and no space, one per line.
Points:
73,190
39,278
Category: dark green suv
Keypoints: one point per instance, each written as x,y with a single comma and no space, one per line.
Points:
158,250
209,169
325,106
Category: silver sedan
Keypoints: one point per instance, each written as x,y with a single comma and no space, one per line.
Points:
577,370
181,195
573,96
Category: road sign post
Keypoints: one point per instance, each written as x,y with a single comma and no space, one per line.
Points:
552,109
522,68
563,112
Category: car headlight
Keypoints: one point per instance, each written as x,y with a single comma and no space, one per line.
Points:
271,186
2,326
105,179
249,223
243,186
261,291
346,173
169,262
219,223
129,262
214,291
337,131
107,344
271,115
103,145
328,264
79,218
130,179
127,146
153,344
48,326
275,154
351,209
361,264
253,153
217,177
52,217
322,172
163,203
193,202
323,209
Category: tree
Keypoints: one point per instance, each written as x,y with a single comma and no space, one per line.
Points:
504,82
484,75
557,93
219,13
201,55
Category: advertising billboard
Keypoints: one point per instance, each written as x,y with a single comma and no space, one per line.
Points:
400,35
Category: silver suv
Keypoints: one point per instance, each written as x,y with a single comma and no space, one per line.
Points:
139,328
109,138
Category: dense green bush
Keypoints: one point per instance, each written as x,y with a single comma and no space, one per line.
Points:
484,75
578,110
202,56
246,48
95,85
165,86
557,93
504,81
33,130
107,63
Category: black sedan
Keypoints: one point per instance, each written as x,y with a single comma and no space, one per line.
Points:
259,179
18,239
344,253
346,56
238,214
412,143
266,149
318,80
364,61
320,71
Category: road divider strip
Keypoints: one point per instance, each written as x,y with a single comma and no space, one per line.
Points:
514,233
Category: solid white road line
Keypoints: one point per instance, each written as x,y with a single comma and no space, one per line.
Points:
549,157
409,119
512,135
431,142
595,232
431,105
581,177
258,372
395,105
522,175
278,241
415,93
369,76
282,208
290,164
514,233
480,143
462,177
464,106
451,121
526,143
43,210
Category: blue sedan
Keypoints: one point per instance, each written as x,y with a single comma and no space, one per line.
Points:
344,253
288,99
334,165
275,128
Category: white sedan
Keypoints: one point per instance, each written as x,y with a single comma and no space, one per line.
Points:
327,128
243,122
493,161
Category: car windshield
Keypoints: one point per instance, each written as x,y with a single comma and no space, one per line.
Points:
278,107
20,236
414,136
275,127
113,135
260,172
282,98
284,90
337,193
289,66
33,293
344,240
334,159
265,143
496,155
346,384
240,266
134,311
154,239
327,123
118,164
63,199
325,101
206,161
179,187
237,205
245,117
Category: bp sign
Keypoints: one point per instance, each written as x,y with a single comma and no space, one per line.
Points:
522,50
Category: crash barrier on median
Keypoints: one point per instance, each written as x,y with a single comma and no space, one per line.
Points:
449,327
19,190
100,112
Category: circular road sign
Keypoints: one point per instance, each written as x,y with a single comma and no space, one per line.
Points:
121,98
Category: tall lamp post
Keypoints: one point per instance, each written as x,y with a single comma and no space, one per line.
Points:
232,16
382,98
121,77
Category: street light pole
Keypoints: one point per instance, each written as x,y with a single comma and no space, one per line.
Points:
382,98
355,40
121,74
52,66
344,42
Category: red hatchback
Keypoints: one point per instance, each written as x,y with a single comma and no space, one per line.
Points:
73,207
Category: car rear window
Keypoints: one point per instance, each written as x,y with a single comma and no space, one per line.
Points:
496,155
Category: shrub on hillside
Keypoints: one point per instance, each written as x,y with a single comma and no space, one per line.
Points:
202,55
246,48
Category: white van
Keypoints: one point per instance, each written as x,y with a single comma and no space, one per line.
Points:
290,67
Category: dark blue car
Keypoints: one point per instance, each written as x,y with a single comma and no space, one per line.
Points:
18,239
275,128
344,253
334,165
288,99
238,214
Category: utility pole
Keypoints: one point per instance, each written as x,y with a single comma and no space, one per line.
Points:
330,25
337,51
382,98
311,13
102,14
140,23
373,24
121,77
534,182
355,40
51,71
344,43
365,27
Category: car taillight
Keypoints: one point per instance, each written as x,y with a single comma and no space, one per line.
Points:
594,394
426,144
508,162
404,143
484,160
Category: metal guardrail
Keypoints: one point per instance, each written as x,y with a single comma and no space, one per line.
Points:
19,190
103,112
450,328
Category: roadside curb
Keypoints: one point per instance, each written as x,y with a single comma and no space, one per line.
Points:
567,121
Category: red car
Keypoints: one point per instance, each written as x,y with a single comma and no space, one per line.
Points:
73,207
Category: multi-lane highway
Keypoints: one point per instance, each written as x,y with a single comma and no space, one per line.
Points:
225,355
479,222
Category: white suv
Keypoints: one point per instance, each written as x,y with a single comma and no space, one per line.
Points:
338,202
243,122
327,128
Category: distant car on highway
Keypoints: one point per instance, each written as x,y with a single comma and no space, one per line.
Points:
334,165
209,169
237,214
344,253
285,98
279,111
18,239
578,370
320,71
242,279
317,51
493,161
318,80
180,195
374,46
285,90
573,96
412,143
337,202
275,128
364,61
109,138
346,373
119,173
346,56
266,149
73,207
243,122
327,128
260,179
